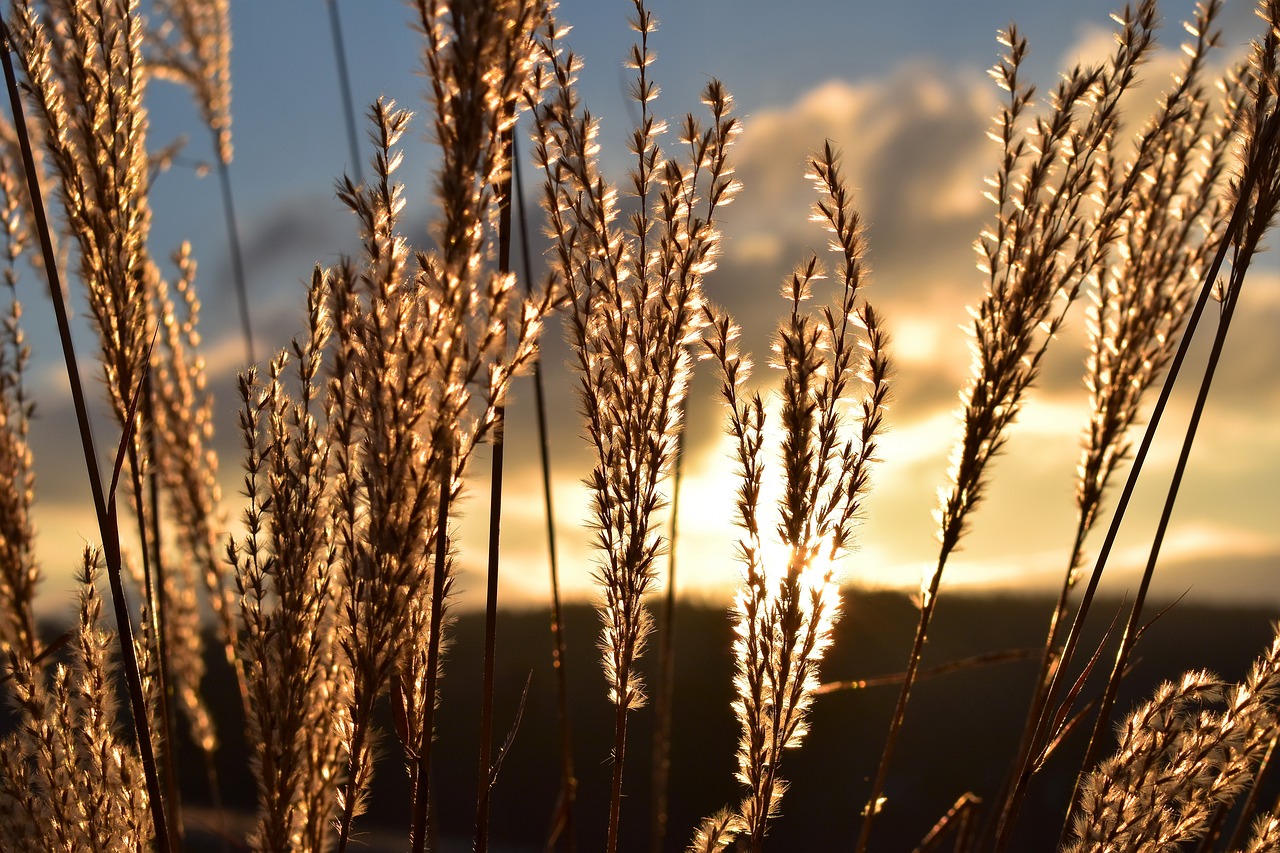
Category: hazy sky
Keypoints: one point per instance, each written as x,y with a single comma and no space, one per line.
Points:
901,88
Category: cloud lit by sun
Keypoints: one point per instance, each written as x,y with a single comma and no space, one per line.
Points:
913,133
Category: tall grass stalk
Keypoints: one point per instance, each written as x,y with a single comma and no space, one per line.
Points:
1168,232
237,259
421,363
834,359
1045,244
284,566
634,293
440,583
660,775
33,49
1261,152
485,773
193,47
1253,172
474,118
640,60
155,626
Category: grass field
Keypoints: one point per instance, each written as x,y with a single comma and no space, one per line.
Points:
315,613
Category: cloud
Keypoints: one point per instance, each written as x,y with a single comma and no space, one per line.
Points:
915,151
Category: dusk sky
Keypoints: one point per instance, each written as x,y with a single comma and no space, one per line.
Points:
901,88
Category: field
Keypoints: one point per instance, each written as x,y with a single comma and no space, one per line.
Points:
324,632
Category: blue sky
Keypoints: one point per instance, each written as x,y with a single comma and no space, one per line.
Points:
901,88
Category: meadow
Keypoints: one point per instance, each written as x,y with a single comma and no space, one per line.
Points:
320,605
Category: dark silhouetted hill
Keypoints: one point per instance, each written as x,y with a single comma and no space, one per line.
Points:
960,734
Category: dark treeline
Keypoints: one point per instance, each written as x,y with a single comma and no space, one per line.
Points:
961,738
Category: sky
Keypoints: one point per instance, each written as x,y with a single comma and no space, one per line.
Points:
901,89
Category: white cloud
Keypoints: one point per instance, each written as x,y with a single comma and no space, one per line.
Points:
913,148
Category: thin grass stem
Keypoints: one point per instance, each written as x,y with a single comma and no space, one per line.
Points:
237,256
347,817
153,585
1008,656
563,822
1043,673
422,785
1212,834
954,822
485,784
665,686
344,86
617,757
1251,801
900,708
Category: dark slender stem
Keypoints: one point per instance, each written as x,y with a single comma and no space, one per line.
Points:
956,821
503,197
153,583
481,844
344,86
54,645
146,750
986,659
160,604
568,777
619,756
237,258
1101,728
1212,834
106,512
1166,390
1041,685
904,695
664,700
422,786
